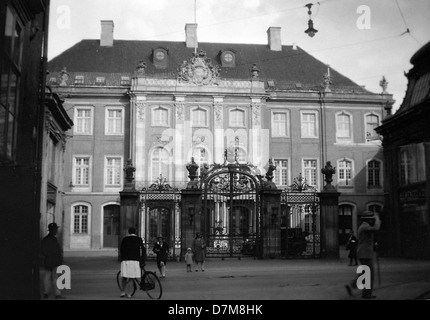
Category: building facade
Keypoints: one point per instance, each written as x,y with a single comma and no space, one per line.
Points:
161,104
406,142
23,103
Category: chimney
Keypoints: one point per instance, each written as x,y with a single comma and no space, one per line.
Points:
106,39
191,35
274,38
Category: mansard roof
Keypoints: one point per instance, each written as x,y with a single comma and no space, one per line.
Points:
291,69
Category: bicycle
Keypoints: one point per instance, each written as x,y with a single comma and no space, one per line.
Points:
148,282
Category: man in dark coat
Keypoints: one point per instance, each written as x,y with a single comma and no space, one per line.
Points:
53,258
161,249
370,223
352,247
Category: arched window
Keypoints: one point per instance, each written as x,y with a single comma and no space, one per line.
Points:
343,126
345,172
159,163
200,155
375,208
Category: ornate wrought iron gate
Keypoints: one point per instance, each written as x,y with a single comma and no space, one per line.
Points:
300,224
231,210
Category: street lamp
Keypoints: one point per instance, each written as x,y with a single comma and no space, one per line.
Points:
310,30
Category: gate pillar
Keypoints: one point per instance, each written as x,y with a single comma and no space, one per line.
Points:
130,202
191,213
270,243
329,208
191,217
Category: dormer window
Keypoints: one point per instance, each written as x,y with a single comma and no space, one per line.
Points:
100,81
160,58
79,80
228,59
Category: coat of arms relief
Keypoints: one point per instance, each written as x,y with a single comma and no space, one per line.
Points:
199,71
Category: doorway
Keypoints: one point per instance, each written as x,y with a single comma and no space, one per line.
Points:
111,226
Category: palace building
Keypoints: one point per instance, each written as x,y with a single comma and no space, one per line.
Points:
406,142
164,108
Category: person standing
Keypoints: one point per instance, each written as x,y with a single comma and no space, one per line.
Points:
132,254
370,223
199,248
53,258
161,249
189,259
351,245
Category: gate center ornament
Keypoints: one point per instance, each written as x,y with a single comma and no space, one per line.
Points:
199,71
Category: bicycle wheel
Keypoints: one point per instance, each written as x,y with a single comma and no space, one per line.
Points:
131,286
151,285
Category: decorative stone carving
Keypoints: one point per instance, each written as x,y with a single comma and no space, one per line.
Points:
256,114
200,71
269,184
219,108
140,107
384,85
140,69
328,171
192,168
159,141
327,81
255,72
64,77
199,140
180,111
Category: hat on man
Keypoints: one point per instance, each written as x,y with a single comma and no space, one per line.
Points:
367,215
160,236
52,226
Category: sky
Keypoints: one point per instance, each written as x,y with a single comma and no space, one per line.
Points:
363,40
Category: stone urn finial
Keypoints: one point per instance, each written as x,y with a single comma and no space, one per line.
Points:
192,168
255,72
269,184
129,175
328,171
140,70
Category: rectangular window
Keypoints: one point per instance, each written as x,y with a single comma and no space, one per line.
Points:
81,171
279,124
309,124
160,117
83,121
343,126
310,171
113,171
372,122
374,173
114,121
199,118
80,223
237,118
345,173
10,73
281,172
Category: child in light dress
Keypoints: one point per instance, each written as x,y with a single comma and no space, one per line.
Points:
189,259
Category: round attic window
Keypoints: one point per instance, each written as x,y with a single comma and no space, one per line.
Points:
228,57
160,55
